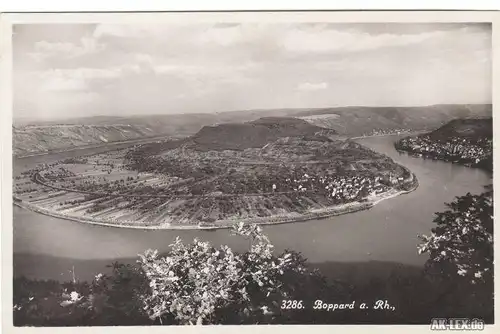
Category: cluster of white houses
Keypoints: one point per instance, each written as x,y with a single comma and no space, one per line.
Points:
454,148
381,132
343,188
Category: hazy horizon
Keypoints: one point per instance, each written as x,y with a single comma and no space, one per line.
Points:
82,70
66,118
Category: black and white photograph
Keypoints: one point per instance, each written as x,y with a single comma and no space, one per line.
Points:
221,170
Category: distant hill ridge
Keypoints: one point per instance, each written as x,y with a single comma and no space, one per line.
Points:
363,120
254,134
473,128
38,137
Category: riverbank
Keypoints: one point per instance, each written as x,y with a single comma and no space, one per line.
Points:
468,142
372,231
409,133
485,164
314,214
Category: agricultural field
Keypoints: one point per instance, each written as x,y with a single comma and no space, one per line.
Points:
154,185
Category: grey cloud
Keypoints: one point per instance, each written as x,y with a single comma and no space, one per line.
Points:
223,66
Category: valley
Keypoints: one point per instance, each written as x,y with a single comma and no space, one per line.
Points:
272,170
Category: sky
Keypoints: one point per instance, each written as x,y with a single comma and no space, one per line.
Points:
63,70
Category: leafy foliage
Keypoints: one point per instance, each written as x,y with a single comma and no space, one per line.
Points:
460,265
195,280
463,238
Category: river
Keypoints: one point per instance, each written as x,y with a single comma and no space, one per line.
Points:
46,247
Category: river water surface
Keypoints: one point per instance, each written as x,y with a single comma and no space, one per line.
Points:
46,247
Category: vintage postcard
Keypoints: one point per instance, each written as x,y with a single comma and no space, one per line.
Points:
248,168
